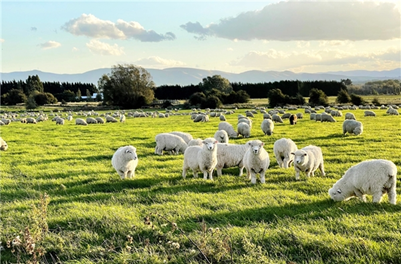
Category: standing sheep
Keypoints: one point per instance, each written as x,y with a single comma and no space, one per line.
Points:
99,120
185,136
352,126
327,118
59,121
230,155
202,159
169,142
277,118
91,120
221,136
31,120
80,121
283,149
110,119
195,142
122,118
256,160
244,129
228,128
125,161
293,119
308,159
267,127
3,144
373,177
370,113
350,116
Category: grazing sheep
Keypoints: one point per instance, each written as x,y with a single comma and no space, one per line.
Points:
267,116
246,120
99,120
125,161
222,118
230,155
308,159
283,149
91,120
327,118
80,121
31,120
23,120
286,115
318,117
300,115
59,121
69,118
110,119
277,118
228,128
3,144
1,123
293,119
122,118
392,111
244,129
221,136
312,116
350,116
256,160
336,113
352,126
185,136
169,142
202,159
373,177
267,127
195,142
370,113
6,121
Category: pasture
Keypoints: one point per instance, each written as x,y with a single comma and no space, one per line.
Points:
60,192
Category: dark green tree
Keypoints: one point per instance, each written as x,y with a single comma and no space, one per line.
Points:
211,102
318,97
343,97
357,100
44,98
196,99
276,98
128,86
13,97
33,83
215,82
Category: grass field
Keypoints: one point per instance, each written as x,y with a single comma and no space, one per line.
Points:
60,192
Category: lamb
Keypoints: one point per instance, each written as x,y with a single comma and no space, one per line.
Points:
370,113
256,160
267,127
169,142
283,149
277,118
125,161
308,159
244,129
373,177
99,120
230,155
327,118
350,116
352,126
202,159
91,120
293,119
3,144
80,121
221,136
228,128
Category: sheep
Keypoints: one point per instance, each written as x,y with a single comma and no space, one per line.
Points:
373,177
185,136
337,113
195,142
318,117
221,136
59,121
267,127
125,161
228,128
122,118
31,120
23,120
80,121
3,144
293,119
256,160
202,159
6,121
370,113
230,155
327,118
299,115
222,118
169,142
91,120
267,116
352,126
282,149
286,115
246,120
110,119
308,159
277,118
244,129
99,120
350,116
69,118
392,111
1,123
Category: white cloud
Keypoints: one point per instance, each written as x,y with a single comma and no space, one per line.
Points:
102,48
2,40
91,26
157,62
49,45
307,21
230,49
74,49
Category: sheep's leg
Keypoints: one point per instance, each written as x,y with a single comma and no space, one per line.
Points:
377,197
248,173
360,195
130,174
195,174
205,173
253,177
392,196
262,176
280,161
211,175
219,171
184,172
296,174
241,171
321,167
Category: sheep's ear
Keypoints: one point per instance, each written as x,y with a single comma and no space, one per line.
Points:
215,142
339,191
262,144
127,151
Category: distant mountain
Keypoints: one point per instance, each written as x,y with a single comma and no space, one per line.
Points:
187,76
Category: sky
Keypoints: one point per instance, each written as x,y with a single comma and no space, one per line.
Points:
231,36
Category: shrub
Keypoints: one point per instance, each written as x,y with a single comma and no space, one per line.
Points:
357,100
318,97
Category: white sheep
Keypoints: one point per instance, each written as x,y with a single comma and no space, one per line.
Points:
228,128
221,136
373,177
185,136
352,126
110,119
230,155
31,120
256,160
282,149
125,161
91,120
122,118
308,159
169,142
6,121
267,127
3,144
392,111
350,116
80,121
318,117
69,118
99,120
277,118
370,113
327,118
59,121
195,142
222,117
202,159
244,129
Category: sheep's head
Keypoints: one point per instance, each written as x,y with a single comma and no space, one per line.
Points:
256,146
337,194
300,157
130,153
358,130
210,143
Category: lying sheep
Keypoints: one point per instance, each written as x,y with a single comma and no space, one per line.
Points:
256,160
228,128
125,161
373,177
350,116
169,142
277,118
370,113
3,144
221,136
185,136
230,155
293,119
202,159
327,118
352,126
244,129
308,159
283,149
80,121
267,127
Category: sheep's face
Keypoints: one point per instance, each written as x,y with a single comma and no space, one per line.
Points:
4,146
256,147
358,131
337,194
130,152
210,144
300,157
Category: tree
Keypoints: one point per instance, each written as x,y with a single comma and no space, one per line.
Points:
343,97
276,97
215,82
44,98
346,81
13,97
79,95
357,100
211,102
196,99
318,97
88,95
128,86
33,83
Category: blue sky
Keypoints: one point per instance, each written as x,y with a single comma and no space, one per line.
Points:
231,36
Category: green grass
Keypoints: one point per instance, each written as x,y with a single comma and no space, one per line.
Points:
94,217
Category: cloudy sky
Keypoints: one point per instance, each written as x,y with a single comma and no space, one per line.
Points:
233,36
